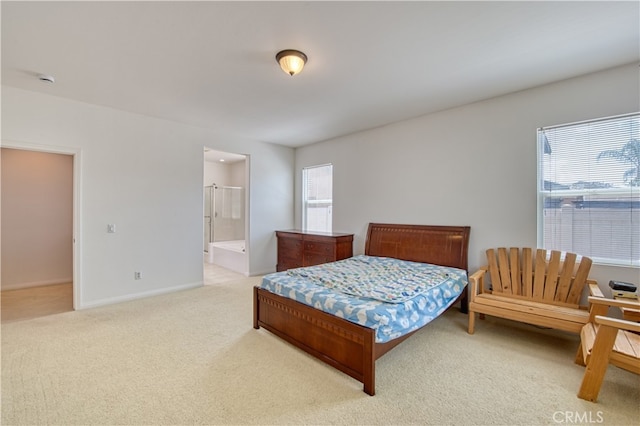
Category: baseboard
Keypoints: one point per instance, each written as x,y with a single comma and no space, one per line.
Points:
142,295
19,286
262,272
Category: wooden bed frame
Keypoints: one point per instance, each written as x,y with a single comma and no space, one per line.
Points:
344,345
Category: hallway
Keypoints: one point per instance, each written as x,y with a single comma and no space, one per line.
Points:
34,302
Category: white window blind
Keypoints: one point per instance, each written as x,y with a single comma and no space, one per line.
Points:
317,198
589,189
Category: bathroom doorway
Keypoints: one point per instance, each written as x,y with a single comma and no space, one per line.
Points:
225,218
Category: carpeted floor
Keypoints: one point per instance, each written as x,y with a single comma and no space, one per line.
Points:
193,358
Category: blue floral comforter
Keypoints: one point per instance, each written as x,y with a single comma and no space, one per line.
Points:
394,297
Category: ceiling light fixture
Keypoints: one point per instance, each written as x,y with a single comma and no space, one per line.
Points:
291,61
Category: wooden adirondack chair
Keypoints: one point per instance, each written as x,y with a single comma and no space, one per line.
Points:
544,290
605,341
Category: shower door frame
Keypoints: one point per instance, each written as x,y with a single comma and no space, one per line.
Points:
212,193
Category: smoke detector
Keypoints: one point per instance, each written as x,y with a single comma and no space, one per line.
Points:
46,78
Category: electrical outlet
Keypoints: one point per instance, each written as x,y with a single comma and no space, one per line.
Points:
137,275
111,228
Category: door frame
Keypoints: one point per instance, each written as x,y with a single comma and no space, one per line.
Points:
76,155
247,197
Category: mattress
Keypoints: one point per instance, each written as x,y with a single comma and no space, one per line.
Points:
391,296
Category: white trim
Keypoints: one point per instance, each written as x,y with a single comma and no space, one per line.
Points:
595,120
142,295
614,262
306,203
77,202
539,198
247,213
261,272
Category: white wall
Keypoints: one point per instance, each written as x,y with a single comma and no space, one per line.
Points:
216,173
145,175
473,165
37,218
225,174
238,174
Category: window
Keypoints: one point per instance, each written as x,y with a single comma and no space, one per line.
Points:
317,198
589,189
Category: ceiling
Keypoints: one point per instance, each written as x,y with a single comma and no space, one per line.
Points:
214,156
212,64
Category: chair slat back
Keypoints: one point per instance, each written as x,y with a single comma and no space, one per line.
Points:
551,281
566,277
505,276
543,276
575,293
539,274
516,276
494,272
527,272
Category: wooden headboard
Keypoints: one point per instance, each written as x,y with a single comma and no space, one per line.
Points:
439,245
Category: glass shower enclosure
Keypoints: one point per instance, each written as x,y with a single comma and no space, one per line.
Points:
223,214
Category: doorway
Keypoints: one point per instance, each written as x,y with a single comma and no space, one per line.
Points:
225,248
38,252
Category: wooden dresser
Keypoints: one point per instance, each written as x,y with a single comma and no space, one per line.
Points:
298,248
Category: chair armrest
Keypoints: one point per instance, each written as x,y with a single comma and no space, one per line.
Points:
477,281
629,304
594,289
618,323
479,273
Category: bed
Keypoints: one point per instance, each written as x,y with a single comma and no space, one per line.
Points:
350,347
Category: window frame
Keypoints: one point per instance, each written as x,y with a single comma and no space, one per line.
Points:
543,193
306,202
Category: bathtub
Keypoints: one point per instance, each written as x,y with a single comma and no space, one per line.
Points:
229,254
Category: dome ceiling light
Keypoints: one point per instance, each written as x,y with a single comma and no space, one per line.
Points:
291,61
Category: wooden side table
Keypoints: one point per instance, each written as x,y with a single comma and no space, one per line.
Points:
628,313
620,289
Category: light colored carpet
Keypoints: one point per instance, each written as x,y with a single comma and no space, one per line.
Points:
193,358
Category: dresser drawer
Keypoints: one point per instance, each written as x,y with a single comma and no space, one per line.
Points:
285,264
311,259
319,248
290,248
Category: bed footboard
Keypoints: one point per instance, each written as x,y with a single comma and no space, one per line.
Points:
344,345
